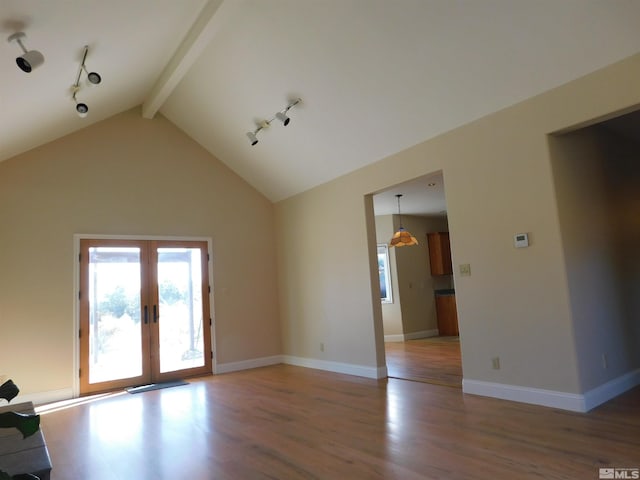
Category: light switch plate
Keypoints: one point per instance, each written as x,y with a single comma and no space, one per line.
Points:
465,270
521,240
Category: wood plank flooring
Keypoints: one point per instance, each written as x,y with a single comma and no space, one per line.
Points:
287,422
434,360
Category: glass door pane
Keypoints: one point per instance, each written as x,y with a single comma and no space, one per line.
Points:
115,338
180,303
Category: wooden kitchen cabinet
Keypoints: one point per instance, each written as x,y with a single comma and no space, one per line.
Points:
447,315
439,253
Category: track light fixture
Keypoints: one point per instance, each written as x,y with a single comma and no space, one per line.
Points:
81,108
283,118
93,78
252,137
30,59
281,115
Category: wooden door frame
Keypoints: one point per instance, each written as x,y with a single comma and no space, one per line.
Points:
76,288
85,386
155,333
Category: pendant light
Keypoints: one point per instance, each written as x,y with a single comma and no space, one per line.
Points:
402,238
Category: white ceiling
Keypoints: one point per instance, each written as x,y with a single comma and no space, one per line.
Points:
375,76
130,42
420,196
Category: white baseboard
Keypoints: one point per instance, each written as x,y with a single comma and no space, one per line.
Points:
516,393
422,334
40,398
394,338
337,367
611,389
247,364
411,336
551,398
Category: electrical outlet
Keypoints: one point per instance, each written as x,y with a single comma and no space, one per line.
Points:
465,270
322,346
604,361
495,361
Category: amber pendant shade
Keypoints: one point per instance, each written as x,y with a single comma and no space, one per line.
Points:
402,238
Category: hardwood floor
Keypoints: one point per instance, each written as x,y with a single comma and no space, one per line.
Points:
434,360
287,422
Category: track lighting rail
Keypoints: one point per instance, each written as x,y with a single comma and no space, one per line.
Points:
93,78
281,115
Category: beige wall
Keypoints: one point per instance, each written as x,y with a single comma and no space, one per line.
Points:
391,312
499,182
597,176
125,176
326,280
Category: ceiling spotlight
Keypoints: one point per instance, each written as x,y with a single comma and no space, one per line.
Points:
82,109
281,115
283,118
30,59
93,78
252,138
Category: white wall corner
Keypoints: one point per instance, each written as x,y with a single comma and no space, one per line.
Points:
382,372
536,396
337,367
248,364
611,389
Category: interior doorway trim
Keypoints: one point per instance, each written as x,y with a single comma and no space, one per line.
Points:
76,288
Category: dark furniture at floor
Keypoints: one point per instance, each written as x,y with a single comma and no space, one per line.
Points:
23,455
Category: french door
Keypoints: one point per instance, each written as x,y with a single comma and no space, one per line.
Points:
144,312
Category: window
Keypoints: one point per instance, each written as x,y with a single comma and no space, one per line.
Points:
384,274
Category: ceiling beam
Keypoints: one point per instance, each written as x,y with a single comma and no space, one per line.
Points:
199,36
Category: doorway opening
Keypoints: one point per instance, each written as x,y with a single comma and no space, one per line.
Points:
419,313
596,176
144,312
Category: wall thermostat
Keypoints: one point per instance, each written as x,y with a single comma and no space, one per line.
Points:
521,240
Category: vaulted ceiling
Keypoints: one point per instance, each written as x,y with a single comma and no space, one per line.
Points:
374,76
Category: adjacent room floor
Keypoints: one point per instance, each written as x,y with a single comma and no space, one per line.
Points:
434,360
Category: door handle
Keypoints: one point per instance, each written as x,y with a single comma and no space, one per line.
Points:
155,314
146,314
